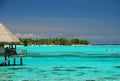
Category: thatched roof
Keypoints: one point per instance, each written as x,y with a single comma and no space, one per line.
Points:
6,36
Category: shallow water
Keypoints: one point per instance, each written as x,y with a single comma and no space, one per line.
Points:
59,63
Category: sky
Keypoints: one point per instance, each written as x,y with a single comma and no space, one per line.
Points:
95,20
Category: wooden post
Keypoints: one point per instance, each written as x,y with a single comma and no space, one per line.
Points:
14,61
20,60
15,46
8,62
5,59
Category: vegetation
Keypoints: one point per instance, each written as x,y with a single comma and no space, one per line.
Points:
54,41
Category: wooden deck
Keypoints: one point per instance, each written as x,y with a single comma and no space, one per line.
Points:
7,58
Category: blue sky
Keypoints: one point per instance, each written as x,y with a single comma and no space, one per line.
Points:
95,20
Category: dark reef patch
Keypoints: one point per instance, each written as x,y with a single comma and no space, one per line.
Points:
117,67
16,68
84,67
108,78
69,69
58,67
80,74
90,80
116,75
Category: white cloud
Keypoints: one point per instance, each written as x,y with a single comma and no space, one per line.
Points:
38,36
59,35
31,35
95,37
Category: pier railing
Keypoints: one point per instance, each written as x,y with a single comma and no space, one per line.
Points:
13,53
21,52
17,52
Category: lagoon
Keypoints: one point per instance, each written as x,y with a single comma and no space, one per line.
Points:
66,63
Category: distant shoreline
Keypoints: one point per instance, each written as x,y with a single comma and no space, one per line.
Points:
53,41
105,44
56,45
74,45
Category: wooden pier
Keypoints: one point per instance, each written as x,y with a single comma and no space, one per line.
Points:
11,54
7,60
8,42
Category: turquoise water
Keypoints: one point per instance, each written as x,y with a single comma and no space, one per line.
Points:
72,51
65,63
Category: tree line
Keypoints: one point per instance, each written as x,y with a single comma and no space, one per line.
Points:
54,41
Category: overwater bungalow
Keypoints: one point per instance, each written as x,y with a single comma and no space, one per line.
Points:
8,43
